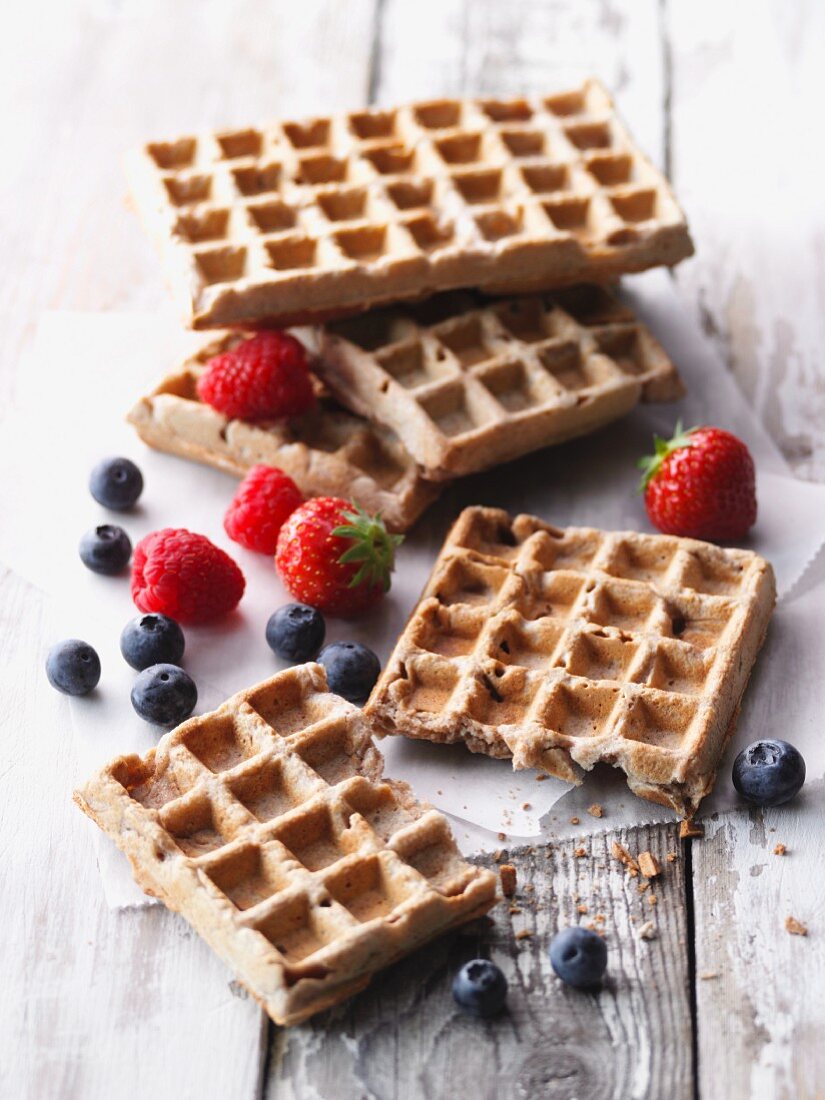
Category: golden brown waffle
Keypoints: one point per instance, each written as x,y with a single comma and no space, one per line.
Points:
328,452
467,383
268,826
566,648
328,216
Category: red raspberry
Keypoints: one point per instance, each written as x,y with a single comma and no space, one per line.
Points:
265,377
264,499
185,576
700,484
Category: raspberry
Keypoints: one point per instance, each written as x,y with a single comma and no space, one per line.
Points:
265,377
264,499
185,576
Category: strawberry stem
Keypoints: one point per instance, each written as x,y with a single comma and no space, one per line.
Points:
650,464
372,546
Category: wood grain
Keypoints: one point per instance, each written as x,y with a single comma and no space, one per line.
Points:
759,994
405,1037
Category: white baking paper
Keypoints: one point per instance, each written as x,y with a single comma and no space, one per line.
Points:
85,370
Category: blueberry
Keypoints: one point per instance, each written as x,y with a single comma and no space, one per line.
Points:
116,483
352,669
579,957
73,667
480,988
296,632
164,694
152,640
769,772
105,549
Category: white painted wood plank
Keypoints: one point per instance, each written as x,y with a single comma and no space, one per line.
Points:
760,992
748,86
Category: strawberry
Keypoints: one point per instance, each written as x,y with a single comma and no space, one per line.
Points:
333,555
264,377
700,484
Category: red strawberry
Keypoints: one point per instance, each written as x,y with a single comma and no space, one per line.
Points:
334,556
700,484
185,576
265,377
264,499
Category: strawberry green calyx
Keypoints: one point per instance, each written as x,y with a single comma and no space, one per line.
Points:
651,464
372,545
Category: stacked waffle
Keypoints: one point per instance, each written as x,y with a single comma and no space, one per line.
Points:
345,223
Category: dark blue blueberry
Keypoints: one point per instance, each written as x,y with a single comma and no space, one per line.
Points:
480,988
105,549
152,640
164,695
769,772
116,483
73,667
296,632
579,957
352,669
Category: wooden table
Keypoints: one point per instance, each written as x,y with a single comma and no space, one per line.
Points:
724,1002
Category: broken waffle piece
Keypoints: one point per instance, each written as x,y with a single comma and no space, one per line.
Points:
648,864
327,451
326,216
467,383
623,856
269,826
795,927
564,648
507,874
688,828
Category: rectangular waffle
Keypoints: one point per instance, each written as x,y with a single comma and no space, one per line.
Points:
467,383
268,826
319,218
566,648
328,452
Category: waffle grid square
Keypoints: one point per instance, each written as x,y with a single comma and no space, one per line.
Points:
379,205
565,648
268,825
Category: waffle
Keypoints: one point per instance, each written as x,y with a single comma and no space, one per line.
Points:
467,383
566,648
328,216
328,452
268,826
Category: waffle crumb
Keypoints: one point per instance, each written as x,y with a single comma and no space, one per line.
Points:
514,910
540,778
648,931
708,975
581,908
595,810
643,886
780,850
526,806
507,874
652,899
689,828
649,865
502,836
795,927
672,857
580,853
575,821
623,856
524,934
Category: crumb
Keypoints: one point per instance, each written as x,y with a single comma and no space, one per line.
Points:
579,853
689,828
502,836
795,927
595,810
648,930
515,910
780,850
708,975
652,899
600,917
623,856
540,778
507,874
497,855
581,908
526,806
531,851
523,934
439,792
529,888
574,821
672,857
649,865
643,886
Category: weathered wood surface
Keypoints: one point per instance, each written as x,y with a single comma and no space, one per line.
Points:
404,1037
132,1004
